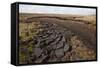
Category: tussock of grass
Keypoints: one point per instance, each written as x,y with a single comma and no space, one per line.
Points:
80,51
27,31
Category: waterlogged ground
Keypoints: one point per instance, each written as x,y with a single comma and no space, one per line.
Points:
56,39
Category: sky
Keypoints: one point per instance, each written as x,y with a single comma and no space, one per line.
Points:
23,8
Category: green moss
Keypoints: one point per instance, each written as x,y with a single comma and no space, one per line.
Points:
30,48
22,57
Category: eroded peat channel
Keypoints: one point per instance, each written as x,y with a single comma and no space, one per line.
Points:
55,39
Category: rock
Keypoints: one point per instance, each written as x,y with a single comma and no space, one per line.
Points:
66,47
60,43
50,43
41,59
59,53
52,57
37,52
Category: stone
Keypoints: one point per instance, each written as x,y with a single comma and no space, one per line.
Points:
60,43
59,53
37,52
41,59
50,44
66,48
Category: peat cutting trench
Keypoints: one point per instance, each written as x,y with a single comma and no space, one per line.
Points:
51,43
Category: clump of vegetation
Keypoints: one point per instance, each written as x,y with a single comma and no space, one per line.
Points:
27,32
89,20
80,51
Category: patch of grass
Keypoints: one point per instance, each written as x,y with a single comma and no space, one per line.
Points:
27,32
80,51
